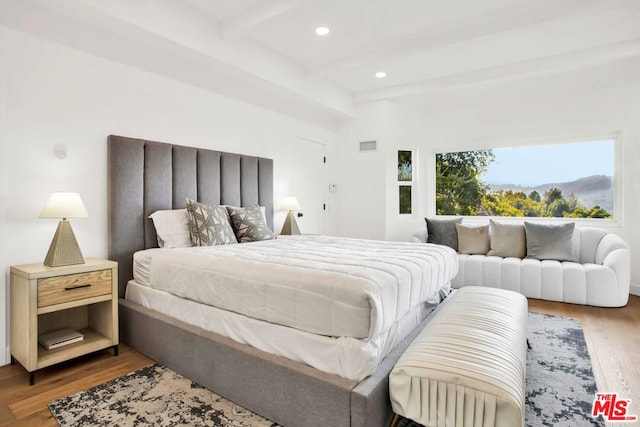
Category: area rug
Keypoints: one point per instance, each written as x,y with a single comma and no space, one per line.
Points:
560,382
152,396
560,390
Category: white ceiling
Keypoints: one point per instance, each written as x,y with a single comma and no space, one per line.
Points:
266,51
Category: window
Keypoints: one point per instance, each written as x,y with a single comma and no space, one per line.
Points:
567,180
405,181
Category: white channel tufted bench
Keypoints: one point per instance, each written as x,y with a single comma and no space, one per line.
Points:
467,366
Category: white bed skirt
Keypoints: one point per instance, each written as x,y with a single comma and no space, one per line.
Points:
347,357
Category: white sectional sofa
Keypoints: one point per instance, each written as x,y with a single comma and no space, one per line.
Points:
601,277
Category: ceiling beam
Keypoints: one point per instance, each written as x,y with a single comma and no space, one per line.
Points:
241,23
506,19
198,59
554,64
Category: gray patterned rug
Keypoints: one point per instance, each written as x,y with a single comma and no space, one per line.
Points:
560,390
560,383
152,396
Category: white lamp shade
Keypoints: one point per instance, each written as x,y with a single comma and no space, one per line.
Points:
64,205
290,204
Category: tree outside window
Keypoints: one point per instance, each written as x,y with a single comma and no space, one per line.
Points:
571,180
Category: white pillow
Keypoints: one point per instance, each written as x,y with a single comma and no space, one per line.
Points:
172,228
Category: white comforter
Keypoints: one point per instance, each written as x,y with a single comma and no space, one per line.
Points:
324,285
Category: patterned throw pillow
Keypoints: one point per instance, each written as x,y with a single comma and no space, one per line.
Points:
249,224
209,225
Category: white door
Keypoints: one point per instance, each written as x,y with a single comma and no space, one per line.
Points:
310,185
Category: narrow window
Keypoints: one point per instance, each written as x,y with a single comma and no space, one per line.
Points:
405,181
405,199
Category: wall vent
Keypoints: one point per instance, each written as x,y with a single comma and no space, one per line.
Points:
368,145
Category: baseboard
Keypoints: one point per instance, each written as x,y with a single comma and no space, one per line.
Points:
635,289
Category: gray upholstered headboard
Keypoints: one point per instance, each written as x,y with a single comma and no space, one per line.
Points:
145,176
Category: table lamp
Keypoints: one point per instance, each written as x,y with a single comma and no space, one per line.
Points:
64,249
290,225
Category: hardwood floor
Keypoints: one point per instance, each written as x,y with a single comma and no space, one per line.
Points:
612,335
24,405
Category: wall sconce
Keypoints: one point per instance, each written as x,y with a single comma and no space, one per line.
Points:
60,151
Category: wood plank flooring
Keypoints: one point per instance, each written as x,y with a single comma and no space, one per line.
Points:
612,335
24,405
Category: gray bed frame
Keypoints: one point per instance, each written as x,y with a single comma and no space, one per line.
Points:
144,176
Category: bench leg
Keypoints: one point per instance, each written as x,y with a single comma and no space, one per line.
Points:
395,420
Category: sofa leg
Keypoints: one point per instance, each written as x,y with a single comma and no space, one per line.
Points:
395,420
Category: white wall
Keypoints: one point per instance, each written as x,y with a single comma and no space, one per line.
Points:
58,95
359,203
367,201
4,295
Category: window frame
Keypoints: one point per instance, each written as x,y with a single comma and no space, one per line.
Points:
618,206
413,183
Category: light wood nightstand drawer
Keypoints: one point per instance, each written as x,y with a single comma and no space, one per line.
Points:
72,287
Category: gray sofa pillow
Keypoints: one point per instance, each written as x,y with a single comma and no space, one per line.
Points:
507,240
443,231
550,241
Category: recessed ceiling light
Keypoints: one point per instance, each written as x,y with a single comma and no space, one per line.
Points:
381,75
322,31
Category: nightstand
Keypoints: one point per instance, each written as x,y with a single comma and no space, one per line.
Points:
83,297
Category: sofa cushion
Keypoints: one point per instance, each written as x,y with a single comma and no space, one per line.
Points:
590,238
443,231
550,241
473,240
507,240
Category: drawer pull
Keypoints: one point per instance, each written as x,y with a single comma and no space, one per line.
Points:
71,288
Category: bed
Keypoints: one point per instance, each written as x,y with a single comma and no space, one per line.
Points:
272,376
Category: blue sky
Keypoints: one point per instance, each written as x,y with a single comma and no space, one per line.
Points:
542,164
